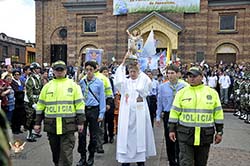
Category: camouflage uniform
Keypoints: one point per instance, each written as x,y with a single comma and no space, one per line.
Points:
235,97
33,88
243,99
247,120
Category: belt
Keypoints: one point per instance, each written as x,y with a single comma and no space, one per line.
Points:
91,107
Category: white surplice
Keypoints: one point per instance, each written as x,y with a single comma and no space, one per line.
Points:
135,138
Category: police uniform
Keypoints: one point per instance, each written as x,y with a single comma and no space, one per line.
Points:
62,108
33,86
195,115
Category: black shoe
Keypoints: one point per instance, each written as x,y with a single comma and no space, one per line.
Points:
100,150
105,141
125,164
82,162
31,139
237,113
111,140
140,164
247,121
37,135
90,161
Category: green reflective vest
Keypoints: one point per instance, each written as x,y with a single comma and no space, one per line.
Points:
60,98
107,86
197,107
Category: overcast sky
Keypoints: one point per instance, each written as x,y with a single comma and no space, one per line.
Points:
17,19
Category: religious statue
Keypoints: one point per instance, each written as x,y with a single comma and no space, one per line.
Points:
17,146
133,40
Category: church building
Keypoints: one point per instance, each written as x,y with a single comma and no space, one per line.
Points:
218,31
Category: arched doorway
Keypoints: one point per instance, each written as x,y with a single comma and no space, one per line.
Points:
83,53
58,44
226,53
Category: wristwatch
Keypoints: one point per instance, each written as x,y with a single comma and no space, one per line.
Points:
220,133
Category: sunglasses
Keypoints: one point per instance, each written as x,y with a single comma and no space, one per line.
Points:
59,69
192,76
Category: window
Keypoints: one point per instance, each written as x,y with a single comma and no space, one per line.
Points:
5,51
89,25
17,52
228,22
199,57
31,57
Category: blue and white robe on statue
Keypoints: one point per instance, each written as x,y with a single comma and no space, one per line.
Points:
135,137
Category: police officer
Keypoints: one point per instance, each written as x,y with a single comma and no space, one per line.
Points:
94,97
33,86
61,107
195,115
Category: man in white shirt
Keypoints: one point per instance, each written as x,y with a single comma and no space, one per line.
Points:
224,82
212,80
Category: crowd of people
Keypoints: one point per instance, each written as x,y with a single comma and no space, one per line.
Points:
32,94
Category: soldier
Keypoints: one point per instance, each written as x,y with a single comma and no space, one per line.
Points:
33,86
243,99
236,97
247,120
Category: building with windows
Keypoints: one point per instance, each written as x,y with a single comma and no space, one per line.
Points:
12,49
218,32
30,54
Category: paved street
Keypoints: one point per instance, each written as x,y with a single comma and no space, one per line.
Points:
233,151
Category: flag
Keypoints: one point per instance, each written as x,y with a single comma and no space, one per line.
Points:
168,56
202,62
162,59
149,48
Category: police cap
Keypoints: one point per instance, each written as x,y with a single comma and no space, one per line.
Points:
194,71
59,65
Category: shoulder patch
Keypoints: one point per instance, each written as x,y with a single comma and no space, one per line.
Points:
209,97
70,90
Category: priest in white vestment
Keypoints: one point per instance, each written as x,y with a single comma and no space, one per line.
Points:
135,138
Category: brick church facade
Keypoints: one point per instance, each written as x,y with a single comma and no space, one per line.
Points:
219,32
